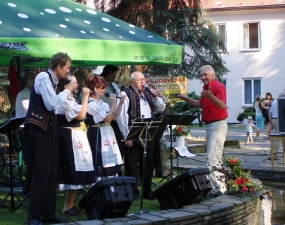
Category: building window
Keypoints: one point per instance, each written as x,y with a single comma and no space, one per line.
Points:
252,88
225,83
251,36
221,29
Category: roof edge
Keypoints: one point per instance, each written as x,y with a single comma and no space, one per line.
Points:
242,8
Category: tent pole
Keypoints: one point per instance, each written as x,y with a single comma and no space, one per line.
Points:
19,70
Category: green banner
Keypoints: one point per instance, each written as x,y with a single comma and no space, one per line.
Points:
35,30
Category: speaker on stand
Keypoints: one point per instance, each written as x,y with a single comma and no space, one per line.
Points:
190,187
108,198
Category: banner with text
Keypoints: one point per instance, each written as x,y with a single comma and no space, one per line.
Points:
168,86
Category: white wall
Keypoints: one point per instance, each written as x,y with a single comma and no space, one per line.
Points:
268,63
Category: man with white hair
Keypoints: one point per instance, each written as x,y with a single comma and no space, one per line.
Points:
214,114
139,103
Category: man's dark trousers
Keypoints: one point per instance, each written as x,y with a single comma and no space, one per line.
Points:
44,160
135,155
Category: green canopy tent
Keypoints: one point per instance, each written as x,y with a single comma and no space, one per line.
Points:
38,29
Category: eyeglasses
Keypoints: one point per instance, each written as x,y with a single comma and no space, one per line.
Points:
140,80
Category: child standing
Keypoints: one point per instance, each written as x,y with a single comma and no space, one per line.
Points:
248,128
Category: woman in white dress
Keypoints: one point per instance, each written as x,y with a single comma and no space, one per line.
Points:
76,168
106,154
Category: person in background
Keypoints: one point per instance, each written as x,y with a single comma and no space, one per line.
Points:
22,99
109,74
42,125
156,149
214,114
139,103
248,129
75,164
267,103
258,105
273,123
5,105
106,154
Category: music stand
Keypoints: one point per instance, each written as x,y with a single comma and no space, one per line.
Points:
144,130
176,120
7,128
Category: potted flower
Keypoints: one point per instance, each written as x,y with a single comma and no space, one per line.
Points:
181,131
239,179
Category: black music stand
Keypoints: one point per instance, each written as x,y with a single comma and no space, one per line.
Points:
176,120
7,128
144,130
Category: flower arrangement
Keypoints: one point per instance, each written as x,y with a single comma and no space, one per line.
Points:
181,130
239,179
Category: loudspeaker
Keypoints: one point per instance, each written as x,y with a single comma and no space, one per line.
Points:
108,198
281,114
185,189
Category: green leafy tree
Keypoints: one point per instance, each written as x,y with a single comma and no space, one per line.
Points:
182,21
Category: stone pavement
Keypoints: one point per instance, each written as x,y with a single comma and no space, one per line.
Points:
255,156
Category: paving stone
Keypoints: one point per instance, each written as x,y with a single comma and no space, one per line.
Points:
179,215
153,218
198,211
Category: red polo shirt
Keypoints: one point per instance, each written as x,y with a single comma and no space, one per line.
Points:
210,112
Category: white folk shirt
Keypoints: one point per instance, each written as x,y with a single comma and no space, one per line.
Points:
22,102
273,109
43,87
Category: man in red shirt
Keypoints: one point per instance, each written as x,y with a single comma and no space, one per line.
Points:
214,114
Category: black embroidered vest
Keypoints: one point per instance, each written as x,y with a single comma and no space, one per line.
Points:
37,113
134,109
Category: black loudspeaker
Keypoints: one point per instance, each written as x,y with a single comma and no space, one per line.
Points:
108,198
281,114
190,187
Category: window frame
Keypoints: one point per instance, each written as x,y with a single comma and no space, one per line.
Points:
252,90
242,48
225,37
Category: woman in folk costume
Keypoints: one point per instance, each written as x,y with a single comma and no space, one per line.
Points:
75,161
106,154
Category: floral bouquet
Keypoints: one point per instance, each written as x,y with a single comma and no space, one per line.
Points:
239,179
181,130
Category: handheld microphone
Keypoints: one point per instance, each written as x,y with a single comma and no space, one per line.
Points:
122,88
79,89
108,95
146,87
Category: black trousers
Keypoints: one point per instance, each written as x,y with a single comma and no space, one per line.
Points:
135,156
119,138
157,157
43,164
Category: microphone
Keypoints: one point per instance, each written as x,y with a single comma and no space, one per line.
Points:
122,88
79,89
108,95
146,87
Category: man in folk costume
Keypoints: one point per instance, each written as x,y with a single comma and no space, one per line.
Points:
42,123
139,103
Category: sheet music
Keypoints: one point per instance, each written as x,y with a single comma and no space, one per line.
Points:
183,152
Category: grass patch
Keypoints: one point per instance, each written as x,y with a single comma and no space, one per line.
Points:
19,216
